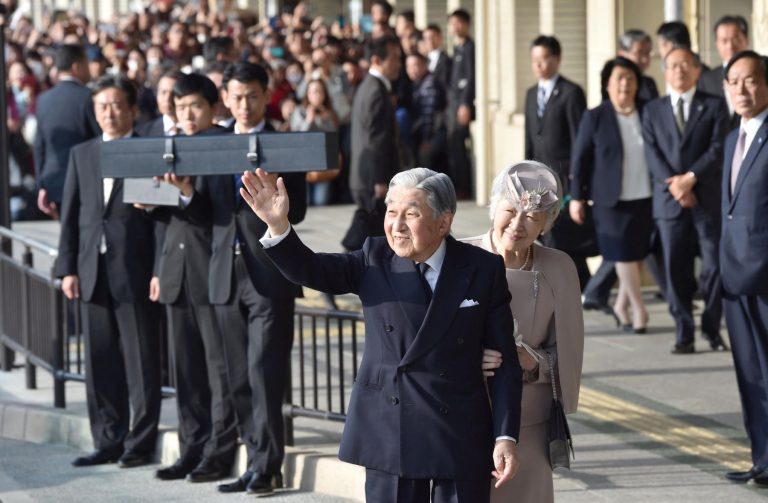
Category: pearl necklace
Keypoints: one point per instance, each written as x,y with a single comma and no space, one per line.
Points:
527,258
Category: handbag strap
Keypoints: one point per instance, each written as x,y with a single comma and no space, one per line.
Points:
551,361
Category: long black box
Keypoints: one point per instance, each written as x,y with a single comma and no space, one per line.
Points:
220,154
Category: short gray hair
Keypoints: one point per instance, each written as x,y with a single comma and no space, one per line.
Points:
630,37
499,189
441,196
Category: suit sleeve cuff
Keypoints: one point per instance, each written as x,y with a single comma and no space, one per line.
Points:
268,241
505,437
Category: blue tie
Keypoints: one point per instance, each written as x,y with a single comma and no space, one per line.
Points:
541,102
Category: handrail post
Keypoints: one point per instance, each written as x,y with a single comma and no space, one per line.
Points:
59,341
288,399
30,370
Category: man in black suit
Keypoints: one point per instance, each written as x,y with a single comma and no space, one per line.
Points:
683,135
731,37
375,157
64,118
461,102
166,124
106,253
254,303
207,424
439,61
427,114
553,110
743,257
420,414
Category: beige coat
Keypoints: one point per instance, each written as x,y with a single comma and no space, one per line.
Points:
546,303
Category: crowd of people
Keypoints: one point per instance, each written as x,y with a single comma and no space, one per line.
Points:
636,179
305,58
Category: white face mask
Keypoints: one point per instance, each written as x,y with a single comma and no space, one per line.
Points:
133,65
294,78
153,62
37,69
201,37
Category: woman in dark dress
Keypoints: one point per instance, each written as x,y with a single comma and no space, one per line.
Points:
608,167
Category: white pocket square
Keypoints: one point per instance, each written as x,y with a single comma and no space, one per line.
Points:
468,303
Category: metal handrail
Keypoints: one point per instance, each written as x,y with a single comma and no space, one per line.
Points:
29,242
309,355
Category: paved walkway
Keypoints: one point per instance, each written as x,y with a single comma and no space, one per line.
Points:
651,426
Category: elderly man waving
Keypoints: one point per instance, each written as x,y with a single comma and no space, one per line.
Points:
419,418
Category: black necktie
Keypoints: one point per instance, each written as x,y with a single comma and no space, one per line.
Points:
423,268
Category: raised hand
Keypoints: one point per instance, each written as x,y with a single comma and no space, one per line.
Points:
267,198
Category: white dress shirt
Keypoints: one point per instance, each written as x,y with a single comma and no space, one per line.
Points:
170,128
434,57
687,97
549,87
751,127
382,78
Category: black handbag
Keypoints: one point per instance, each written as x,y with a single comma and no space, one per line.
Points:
560,442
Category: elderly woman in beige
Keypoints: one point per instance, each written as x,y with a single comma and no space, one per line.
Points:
546,304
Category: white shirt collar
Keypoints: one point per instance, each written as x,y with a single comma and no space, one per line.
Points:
168,124
437,258
382,78
106,137
433,56
70,78
549,86
751,127
687,96
257,129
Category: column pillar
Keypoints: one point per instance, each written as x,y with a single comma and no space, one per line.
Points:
602,35
759,26
503,31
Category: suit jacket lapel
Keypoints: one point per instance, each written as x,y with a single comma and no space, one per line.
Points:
451,287
117,185
669,118
754,149
729,146
406,284
694,114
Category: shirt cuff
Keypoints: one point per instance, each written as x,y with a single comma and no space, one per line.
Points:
505,437
268,241
185,200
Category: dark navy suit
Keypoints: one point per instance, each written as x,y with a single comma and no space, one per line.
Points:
419,407
744,267
668,152
65,117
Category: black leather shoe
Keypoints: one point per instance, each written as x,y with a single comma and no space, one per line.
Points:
683,349
745,477
131,459
761,480
100,457
238,486
208,471
176,471
717,343
590,305
262,484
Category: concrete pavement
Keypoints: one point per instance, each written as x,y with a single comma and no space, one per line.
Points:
651,426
